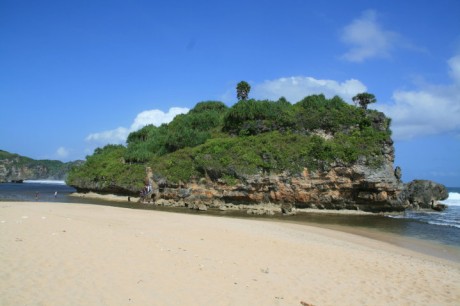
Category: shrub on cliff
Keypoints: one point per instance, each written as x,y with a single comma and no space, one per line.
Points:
186,130
251,137
313,113
331,115
251,117
271,152
145,143
106,169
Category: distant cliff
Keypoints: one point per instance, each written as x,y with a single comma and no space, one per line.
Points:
14,167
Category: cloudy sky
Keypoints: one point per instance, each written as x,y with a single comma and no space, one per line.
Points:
75,75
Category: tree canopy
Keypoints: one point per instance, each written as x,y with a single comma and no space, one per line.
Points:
242,90
364,99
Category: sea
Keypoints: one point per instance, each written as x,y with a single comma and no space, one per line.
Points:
420,228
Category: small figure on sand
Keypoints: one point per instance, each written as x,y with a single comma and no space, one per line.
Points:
55,194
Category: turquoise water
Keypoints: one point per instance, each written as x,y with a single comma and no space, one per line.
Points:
440,227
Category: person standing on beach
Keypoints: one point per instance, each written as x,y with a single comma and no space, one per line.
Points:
36,195
55,194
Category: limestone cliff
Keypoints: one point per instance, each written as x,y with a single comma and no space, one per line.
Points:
319,152
355,187
14,167
336,186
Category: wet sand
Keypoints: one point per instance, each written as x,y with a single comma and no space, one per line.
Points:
77,254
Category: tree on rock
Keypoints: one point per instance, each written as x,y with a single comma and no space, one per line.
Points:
364,99
242,90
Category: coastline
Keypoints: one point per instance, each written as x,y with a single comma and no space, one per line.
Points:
255,209
56,253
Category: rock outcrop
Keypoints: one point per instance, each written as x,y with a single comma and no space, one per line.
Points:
339,187
369,183
426,194
335,186
355,188
16,168
11,172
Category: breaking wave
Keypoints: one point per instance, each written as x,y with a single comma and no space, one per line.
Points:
453,199
53,182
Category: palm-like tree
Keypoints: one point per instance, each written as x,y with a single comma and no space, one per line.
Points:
242,90
364,99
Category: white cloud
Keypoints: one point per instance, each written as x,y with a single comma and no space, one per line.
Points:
156,117
119,135
62,152
296,88
430,110
367,39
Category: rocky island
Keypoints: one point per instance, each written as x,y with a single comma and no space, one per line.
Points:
317,153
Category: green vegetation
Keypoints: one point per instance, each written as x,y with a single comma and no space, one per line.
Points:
41,169
253,117
184,131
251,137
107,169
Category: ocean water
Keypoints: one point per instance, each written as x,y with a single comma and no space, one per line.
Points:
442,228
36,191
449,217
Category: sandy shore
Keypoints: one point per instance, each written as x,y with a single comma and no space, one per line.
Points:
72,254
106,197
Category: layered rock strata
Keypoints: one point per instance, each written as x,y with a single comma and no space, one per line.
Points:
340,187
357,188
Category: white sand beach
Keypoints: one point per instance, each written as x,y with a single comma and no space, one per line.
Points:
76,254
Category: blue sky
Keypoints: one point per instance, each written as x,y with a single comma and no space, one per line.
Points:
75,75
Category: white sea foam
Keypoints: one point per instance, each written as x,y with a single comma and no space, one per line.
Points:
396,216
444,224
453,199
54,182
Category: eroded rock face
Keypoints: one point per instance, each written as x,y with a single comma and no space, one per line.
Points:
425,194
11,170
358,187
18,168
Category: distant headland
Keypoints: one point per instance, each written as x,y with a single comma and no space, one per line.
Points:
15,168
